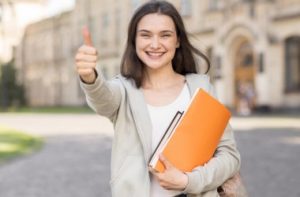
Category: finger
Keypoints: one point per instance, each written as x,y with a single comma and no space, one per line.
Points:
165,161
85,72
87,50
86,36
85,65
85,58
165,186
153,171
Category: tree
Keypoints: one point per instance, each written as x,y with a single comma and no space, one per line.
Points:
11,93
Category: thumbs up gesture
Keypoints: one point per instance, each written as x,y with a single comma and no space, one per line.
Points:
86,58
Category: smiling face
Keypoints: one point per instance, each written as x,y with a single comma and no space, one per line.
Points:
156,41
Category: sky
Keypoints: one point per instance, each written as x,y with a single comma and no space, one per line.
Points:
14,22
27,13
55,6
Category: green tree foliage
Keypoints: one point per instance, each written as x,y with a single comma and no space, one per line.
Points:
11,93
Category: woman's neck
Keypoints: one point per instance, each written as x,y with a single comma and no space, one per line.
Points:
161,79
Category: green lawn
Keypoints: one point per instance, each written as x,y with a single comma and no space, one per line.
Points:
49,110
14,143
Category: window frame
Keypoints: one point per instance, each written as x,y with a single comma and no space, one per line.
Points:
292,60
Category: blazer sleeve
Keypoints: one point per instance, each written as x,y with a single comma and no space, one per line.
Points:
224,164
104,97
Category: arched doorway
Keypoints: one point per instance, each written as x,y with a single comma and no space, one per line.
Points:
244,74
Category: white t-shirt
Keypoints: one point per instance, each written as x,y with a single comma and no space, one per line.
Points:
160,118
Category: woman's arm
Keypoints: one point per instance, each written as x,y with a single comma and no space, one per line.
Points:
224,164
102,96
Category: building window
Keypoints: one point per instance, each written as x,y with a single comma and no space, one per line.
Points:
245,55
216,4
118,27
105,29
1,12
215,71
292,60
218,68
105,20
212,4
261,63
186,7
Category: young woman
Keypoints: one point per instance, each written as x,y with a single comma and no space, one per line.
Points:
158,78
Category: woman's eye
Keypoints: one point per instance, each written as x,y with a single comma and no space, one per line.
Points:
145,35
166,35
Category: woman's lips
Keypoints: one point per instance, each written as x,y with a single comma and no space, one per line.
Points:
155,55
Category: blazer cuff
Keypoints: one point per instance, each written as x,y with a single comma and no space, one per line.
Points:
97,83
194,185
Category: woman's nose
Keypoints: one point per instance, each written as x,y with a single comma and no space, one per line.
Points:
155,43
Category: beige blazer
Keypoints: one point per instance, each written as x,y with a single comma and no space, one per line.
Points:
124,104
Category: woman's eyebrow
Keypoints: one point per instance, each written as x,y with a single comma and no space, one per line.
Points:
167,31
164,31
144,30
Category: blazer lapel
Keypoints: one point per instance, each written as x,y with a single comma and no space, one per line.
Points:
141,116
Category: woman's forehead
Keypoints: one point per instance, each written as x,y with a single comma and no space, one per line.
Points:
156,21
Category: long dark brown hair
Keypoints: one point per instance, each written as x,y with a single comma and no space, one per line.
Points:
183,62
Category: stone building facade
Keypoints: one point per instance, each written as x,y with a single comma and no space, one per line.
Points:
256,43
45,62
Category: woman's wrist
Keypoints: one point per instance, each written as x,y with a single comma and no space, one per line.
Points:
90,79
185,181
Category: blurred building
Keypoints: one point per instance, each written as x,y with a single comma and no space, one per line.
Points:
7,31
252,43
46,58
14,16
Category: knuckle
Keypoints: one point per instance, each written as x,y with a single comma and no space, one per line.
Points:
91,65
161,182
78,57
93,50
95,58
81,48
79,64
160,178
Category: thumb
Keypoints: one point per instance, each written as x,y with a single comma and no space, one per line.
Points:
86,36
165,161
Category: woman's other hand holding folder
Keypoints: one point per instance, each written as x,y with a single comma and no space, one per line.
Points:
171,178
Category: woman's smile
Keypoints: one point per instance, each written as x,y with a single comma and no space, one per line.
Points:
155,55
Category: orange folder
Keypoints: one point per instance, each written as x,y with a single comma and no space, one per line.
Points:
192,139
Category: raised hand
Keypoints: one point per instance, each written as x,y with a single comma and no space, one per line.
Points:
171,178
86,58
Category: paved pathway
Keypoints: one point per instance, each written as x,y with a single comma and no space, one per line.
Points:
57,124
75,159
270,149
73,163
